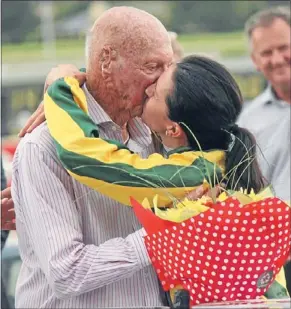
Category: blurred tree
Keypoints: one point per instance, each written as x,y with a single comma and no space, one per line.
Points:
18,19
68,8
218,16
278,2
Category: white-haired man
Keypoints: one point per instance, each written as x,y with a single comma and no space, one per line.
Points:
79,248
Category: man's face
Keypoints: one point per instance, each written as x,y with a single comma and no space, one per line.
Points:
271,52
137,73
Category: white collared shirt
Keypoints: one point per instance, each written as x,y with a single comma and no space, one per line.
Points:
268,118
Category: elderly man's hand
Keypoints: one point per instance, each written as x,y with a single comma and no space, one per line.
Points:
7,210
55,73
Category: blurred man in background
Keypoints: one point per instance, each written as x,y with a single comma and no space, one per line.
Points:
268,115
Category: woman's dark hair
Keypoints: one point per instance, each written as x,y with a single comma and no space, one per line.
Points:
206,101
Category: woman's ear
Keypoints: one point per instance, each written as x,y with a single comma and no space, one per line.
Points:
174,130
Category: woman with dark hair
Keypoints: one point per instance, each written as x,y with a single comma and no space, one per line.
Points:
202,99
193,108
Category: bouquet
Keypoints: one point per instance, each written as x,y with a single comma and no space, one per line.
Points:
224,250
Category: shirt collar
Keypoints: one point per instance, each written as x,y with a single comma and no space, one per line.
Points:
97,113
270,97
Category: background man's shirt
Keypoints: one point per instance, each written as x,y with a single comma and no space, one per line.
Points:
268,118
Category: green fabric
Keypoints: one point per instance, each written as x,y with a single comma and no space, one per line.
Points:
276,290
170,176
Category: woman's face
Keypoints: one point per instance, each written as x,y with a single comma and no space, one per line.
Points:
155,110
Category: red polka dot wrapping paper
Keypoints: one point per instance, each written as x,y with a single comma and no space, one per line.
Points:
230,252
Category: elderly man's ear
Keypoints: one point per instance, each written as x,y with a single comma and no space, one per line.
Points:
108,56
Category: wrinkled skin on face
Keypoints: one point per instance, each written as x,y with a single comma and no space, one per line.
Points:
140,73
128,50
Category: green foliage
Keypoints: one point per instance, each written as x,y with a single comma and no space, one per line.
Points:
64,9
219,16
18,20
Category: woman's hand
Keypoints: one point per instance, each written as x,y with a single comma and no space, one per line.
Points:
62,70
7,210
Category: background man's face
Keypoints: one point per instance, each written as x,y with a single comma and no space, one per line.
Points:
271,52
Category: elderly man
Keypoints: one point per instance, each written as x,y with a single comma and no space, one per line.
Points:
79,248
268,116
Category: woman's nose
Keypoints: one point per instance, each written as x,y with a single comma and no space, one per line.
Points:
150,90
